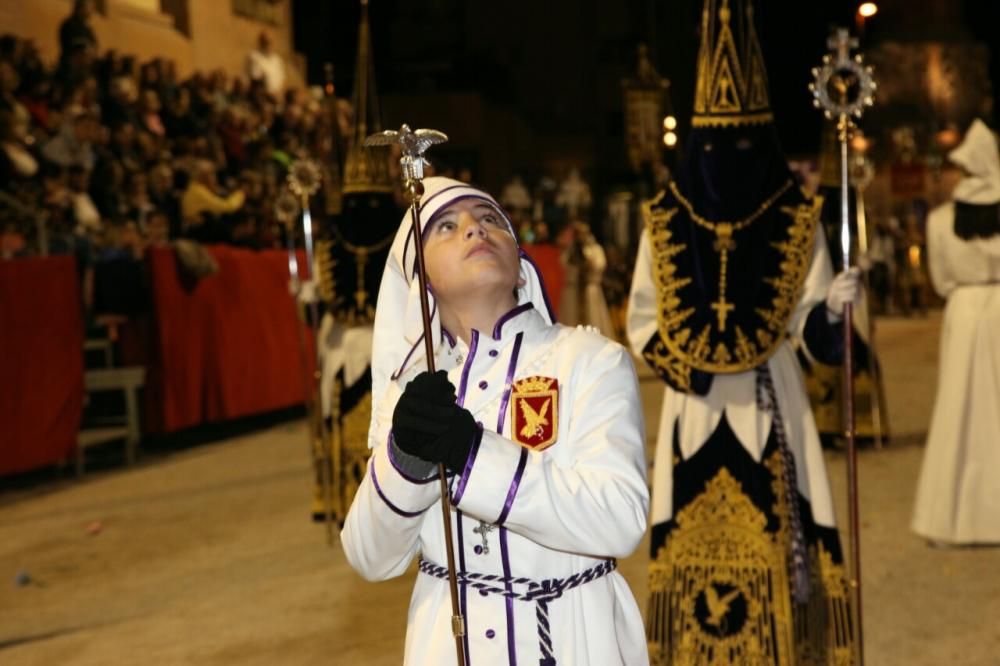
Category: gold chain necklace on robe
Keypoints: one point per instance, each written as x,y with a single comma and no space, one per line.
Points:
361,253
724,241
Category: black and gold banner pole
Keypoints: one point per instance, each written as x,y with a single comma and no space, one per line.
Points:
843,87
304,181
413,145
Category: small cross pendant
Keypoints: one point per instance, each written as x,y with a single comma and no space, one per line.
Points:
483,530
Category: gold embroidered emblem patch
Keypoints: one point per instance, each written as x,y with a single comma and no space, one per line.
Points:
534,410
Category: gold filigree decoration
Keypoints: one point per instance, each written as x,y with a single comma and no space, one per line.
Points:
327,270
347,452
718,587
680,346
823,635
731,86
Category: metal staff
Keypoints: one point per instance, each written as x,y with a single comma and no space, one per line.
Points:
843,87
286,210
860,182
304,181
414,144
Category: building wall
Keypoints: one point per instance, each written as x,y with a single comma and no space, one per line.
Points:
196,34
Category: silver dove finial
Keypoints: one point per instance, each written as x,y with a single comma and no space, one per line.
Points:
413,143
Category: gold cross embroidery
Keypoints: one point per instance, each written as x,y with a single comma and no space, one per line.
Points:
722,309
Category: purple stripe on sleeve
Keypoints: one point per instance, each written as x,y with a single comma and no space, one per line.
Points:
512,492
378,489
505,556
467,472
498,328
508,387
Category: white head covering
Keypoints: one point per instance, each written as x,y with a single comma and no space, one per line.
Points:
978,155
398,336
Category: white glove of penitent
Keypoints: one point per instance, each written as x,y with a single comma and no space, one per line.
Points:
845,288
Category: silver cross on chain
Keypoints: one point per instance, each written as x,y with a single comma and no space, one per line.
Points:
483,530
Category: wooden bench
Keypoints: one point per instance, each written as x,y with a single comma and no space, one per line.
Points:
129,380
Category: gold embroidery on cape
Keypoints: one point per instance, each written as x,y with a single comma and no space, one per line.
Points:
823,635
347,455
719,586
731,87
680,349
361,312
719,591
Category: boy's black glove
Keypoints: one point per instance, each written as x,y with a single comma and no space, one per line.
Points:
429,425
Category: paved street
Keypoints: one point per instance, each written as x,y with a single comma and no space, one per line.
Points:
206,556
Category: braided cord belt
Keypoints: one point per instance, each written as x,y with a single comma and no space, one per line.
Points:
540,592
767,400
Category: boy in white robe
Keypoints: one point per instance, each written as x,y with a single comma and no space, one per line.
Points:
540,428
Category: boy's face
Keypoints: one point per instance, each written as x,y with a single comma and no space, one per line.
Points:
468,248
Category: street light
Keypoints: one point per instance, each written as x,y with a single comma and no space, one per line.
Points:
669,135
866,10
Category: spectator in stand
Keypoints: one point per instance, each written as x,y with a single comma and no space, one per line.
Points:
72,145
16,161
77,44
149,113
75,33
85,212
263,64
202,206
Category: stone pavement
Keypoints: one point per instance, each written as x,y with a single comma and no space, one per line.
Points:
206,556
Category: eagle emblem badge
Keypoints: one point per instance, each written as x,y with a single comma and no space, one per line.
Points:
534,410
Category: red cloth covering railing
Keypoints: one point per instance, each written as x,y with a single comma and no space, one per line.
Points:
41,362
225,346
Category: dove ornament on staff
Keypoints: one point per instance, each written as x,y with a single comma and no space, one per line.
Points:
843,87
413,145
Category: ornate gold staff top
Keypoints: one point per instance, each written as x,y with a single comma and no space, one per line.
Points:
414,144
843,87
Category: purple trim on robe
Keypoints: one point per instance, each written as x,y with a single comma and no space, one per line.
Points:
395,466
378,489
425,224
541,282
511,369
467,472
426,202
498,328
505,557
447,336
464,384
462,588
512,491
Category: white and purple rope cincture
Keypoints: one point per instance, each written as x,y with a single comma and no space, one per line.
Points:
798,564
541,592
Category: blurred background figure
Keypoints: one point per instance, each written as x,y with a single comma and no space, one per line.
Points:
958,496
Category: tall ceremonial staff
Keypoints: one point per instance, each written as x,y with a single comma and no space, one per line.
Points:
304,181
413,145
843,86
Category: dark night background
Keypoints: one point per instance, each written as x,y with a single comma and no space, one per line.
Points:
546,76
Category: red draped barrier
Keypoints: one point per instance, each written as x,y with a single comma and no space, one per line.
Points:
546,257
225,346
41,362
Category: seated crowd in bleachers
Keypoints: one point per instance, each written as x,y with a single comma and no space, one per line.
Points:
103,157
